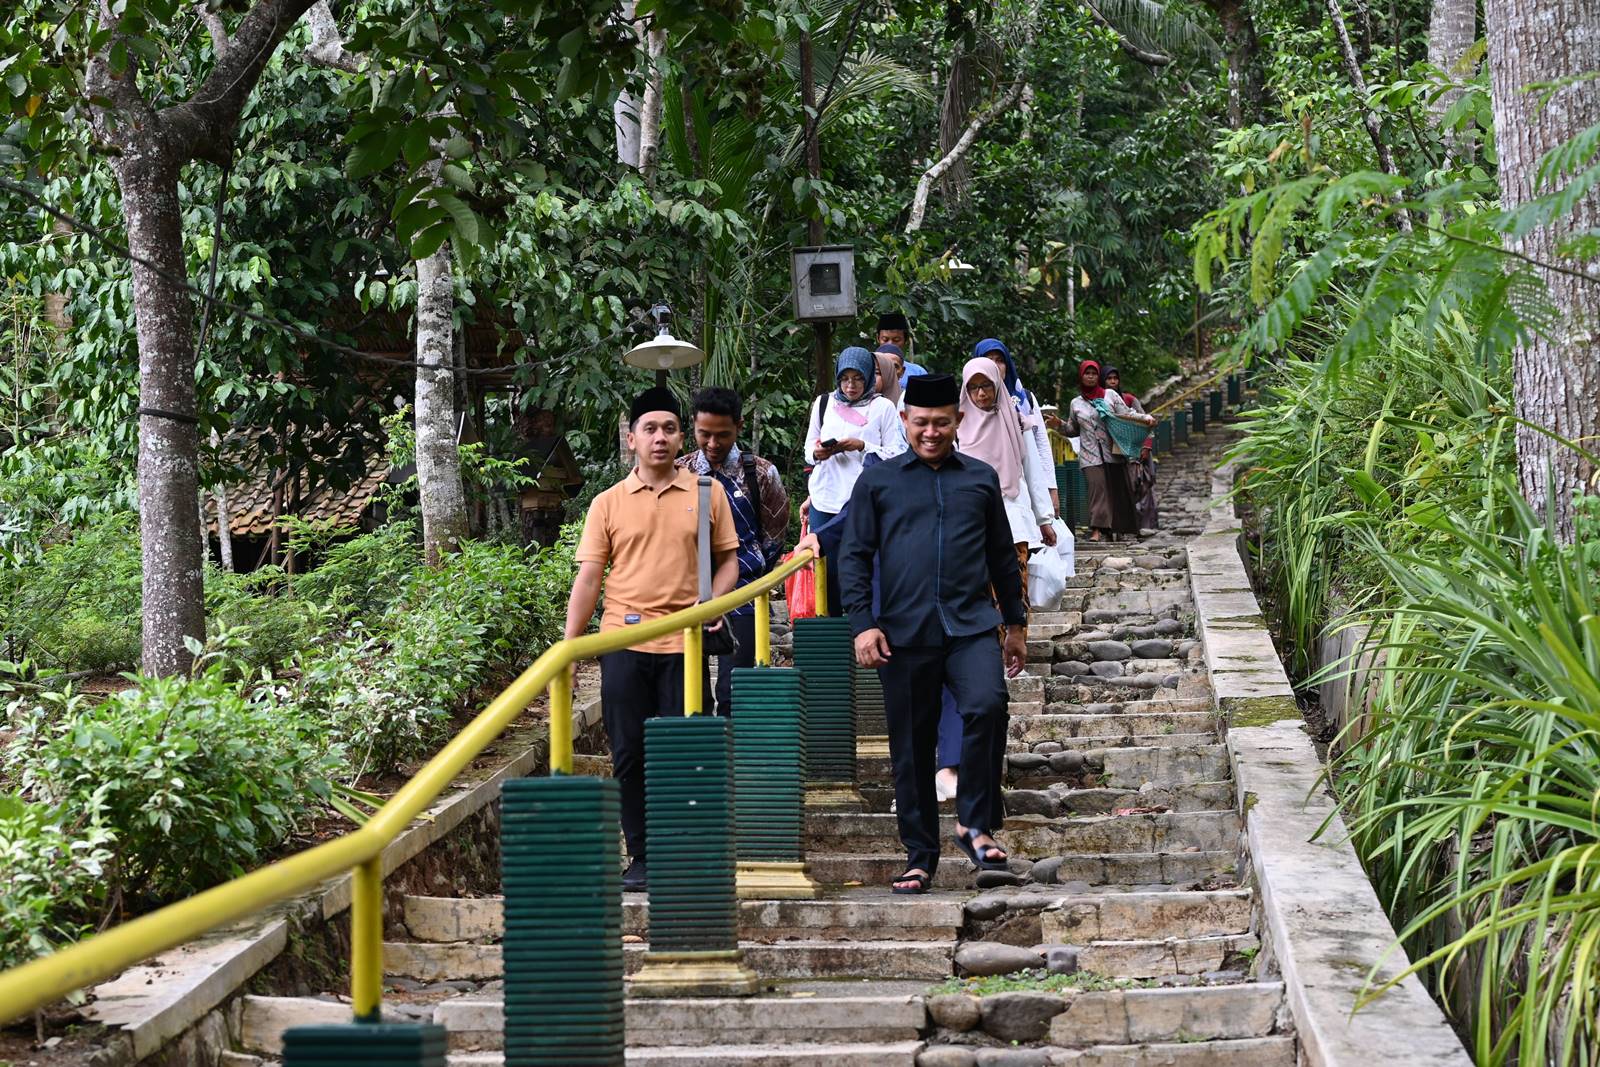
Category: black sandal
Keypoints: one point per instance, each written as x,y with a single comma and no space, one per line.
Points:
922,879
968,844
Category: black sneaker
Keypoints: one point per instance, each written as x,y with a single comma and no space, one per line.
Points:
637,877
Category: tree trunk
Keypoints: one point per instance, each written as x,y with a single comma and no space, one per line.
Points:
1557,378
1244,82
650,107
625,109
822,362
173,605
442,497
1452,31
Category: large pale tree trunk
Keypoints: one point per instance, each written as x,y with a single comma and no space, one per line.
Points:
441,495
1557,378
1244,78
169,482
1452,31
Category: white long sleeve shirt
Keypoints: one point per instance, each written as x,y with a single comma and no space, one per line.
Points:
1031,509
833,478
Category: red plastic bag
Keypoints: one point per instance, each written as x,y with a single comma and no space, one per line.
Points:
800,588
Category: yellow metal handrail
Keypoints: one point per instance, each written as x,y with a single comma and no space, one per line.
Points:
39,982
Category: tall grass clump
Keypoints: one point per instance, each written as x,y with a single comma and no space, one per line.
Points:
1385,494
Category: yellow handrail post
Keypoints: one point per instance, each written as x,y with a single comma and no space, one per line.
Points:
366,941
693,668
561,722
821,573
763,631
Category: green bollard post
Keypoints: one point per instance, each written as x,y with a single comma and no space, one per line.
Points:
563,922
1216,403
391,1044
824,651
1180,427
689,827
769,784
1234,390
1197,415
1164,435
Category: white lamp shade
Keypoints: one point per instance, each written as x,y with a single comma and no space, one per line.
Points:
664,352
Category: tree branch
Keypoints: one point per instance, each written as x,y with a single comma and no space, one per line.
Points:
327,43
919,202
1369,118
214,26
1152,59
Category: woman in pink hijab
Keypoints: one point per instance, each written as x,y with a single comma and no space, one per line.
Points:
992,431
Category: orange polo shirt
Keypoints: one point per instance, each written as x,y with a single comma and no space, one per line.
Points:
648,540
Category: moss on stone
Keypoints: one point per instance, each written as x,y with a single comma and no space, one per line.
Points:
1259,711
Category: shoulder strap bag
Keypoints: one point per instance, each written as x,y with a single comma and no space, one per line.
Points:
718,642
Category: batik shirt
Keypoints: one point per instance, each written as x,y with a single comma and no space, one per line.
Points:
762,525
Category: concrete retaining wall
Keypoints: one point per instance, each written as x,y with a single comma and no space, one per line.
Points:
1322,927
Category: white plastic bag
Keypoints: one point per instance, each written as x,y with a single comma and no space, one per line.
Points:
1047,580
1067,548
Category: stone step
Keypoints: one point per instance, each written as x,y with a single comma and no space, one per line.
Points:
849,917
1186,1014
434,961
1157,959
478,1023
1172,739
896,1054
1278,1051
956,872
1081,919
1132,722
1130,768
1042,835
1061,799
263,1020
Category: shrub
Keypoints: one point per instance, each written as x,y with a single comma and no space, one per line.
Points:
53,876
388,690
78,596
87,641
196,777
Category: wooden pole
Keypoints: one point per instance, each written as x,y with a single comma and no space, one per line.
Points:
816,229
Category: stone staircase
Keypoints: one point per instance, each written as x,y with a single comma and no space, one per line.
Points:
1123,942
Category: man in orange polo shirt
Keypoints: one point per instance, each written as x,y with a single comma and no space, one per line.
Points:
644,528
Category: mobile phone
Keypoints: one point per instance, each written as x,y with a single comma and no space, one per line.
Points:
832,442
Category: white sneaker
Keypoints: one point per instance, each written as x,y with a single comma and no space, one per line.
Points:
944,784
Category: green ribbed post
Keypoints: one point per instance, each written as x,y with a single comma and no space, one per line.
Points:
1180,427
1197,415
871,719
1069,510
560,869
379,1044
824,651
1234,390
1164,435
769,767
1216,403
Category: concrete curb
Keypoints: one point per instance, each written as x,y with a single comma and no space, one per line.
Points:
149,1005
1323,928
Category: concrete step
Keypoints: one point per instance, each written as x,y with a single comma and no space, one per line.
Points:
1186,1014
1079,920
895,1054
1278,1051
1167,736
1130,722
1035,835
1061,799
956,872
478,1023
1132,767
433,961
848,917
264,1019
1156,959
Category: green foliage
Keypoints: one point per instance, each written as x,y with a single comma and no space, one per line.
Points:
54,876
387,690
194,777
74,604
1037,981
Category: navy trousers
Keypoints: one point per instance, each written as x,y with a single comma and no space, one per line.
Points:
913,681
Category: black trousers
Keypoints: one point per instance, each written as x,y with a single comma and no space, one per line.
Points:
635,686
913,684
744,629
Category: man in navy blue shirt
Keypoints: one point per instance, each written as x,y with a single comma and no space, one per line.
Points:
933,522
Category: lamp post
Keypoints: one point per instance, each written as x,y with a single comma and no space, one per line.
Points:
663,352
